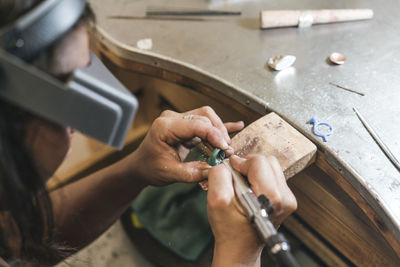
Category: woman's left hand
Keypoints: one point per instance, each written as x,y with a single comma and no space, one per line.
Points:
158,160
236,240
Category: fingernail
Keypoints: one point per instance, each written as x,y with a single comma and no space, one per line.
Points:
230,150
224,144
204,185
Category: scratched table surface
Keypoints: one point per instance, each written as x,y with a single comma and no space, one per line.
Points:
229,54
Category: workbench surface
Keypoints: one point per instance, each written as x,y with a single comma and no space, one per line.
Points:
229,54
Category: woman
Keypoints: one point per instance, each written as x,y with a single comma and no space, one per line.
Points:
41,228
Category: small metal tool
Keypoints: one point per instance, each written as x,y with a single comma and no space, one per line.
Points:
171,18
378,140
347,89
162,11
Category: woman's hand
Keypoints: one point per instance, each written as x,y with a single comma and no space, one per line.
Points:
158,160
236,240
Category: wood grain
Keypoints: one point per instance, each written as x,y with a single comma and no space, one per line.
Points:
366,208
272,136
287,18
317,245
329,211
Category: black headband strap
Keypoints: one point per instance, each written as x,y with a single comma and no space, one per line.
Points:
41,27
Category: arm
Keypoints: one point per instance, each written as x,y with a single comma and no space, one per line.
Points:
86,208
236,241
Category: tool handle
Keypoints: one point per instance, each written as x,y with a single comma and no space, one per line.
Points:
288,18
279,248
286,259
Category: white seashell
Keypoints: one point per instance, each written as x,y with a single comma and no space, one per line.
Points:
281,62
337,58
145,44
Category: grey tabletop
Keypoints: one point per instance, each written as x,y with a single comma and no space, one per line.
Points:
230,55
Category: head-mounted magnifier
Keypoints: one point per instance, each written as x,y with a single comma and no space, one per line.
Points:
93,101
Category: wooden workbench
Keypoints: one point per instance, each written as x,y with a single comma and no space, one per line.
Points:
349,204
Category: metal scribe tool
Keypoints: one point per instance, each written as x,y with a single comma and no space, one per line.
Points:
165,11
378,140
258,210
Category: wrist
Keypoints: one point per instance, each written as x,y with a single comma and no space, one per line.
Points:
236,256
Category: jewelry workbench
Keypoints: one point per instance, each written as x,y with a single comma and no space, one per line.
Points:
349,199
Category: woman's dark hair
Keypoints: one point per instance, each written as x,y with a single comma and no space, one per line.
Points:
26,219
25,204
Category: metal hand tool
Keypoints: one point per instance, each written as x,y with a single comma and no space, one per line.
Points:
258,210
162,11
378,140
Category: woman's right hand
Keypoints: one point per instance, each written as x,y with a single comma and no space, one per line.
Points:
159,159
236,240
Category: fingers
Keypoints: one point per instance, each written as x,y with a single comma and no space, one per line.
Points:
232,231
234,126
204,123
266,177
187,172
259,174
181,131
173,131
209,113
221,192
192,143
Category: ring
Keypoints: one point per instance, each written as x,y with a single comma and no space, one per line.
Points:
316,124
188,117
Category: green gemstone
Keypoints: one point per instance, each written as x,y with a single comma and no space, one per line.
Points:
217,156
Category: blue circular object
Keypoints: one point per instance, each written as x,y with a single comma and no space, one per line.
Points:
316,124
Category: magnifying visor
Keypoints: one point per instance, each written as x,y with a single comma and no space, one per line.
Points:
92,101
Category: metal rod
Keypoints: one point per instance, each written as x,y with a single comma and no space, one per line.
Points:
378,140
347,89
190,12
161,18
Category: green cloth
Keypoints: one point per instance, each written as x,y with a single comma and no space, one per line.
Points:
176,215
